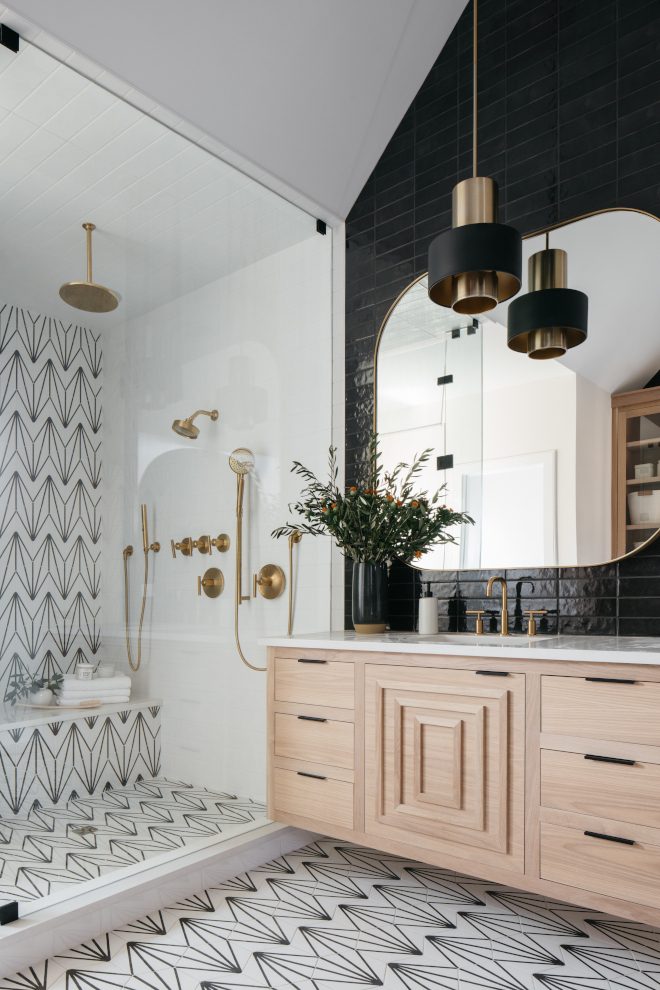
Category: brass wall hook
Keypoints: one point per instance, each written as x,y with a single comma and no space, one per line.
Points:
212,584
270,581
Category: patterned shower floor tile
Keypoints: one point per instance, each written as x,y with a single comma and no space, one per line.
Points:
333,916
51,847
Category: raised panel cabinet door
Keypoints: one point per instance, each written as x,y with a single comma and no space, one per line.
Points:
445,760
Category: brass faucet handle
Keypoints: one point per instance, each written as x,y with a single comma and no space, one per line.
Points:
479,625
203,544
185,547
212,584
270,581
531,612
221,543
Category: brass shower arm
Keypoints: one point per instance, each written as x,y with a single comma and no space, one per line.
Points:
213,413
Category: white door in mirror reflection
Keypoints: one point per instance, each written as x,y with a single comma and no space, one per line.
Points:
522,487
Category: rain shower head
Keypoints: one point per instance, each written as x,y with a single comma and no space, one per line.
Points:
87,295
185,428
241,460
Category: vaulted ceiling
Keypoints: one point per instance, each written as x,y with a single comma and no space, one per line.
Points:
309,90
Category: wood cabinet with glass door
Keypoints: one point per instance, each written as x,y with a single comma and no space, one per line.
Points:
635,468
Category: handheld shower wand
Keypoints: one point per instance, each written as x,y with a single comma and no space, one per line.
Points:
241,461
128,552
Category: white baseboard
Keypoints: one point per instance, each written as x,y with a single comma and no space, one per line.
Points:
46,932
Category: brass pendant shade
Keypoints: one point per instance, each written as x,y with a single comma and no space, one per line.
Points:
550,318
87,295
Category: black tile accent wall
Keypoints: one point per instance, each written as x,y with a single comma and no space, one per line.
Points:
569,122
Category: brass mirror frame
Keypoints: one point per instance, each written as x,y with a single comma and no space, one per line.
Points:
535,233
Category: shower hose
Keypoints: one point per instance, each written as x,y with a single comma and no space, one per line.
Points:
127,553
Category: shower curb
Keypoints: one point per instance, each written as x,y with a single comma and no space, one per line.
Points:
86,916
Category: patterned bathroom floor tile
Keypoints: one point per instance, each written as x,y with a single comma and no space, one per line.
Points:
333,916
41,852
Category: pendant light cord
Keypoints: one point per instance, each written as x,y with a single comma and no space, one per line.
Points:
474,94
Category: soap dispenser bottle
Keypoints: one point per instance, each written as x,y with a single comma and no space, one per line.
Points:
428,613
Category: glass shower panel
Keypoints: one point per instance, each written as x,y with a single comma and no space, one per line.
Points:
224,304
429,395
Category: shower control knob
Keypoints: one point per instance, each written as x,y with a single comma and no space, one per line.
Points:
270,581
222,543
203,544
185,547
212,584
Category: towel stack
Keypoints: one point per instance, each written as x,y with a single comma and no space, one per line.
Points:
107,690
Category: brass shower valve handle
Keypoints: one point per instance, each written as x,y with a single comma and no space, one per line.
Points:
212,584
531,628
479,624
203,544
270,581
185,547
222,543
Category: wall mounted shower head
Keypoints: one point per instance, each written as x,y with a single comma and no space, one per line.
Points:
241,460
185,428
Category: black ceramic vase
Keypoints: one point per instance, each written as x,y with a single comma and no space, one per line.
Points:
370,597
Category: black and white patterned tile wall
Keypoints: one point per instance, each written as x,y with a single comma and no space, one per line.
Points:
50,501
50,761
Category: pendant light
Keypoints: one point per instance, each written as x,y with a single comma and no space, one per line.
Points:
478,263
87,295
550,317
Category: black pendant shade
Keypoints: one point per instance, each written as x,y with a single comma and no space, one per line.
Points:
550,318
546,310
475,248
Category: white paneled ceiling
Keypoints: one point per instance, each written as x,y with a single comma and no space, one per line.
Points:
309,90
170,216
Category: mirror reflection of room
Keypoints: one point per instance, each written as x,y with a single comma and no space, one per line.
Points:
525,446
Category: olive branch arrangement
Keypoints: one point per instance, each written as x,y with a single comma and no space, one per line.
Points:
378,520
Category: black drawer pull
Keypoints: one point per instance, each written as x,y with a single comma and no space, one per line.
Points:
609,680
312,718
610,838
312,661
317,777
493,673
610,759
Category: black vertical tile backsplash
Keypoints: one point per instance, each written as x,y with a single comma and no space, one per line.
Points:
569,122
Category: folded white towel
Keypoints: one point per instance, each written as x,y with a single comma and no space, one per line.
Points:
107,685
105,700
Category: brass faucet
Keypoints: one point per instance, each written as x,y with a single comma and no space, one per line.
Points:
505,614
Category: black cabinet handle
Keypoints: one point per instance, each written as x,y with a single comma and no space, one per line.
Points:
610,759
312,661
610,838
317,777
312,718
609,680
493,673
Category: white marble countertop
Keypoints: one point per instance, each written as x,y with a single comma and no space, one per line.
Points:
19,717
597,649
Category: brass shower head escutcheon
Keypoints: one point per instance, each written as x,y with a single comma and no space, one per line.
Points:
270,581
212,584
185,428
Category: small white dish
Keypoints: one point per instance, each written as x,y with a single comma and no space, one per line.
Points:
105,670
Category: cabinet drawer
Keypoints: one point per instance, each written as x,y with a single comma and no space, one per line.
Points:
325,800
631,873
624,793
329,682
574,706
299,737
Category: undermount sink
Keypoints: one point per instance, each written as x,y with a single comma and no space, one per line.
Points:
488,639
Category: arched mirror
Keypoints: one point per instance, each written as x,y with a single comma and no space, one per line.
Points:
557,461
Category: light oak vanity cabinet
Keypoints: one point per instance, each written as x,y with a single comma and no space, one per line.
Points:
540,774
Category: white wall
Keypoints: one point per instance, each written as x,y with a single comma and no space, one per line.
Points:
256,345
